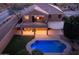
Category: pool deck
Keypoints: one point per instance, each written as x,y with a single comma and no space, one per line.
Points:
52,34
66,51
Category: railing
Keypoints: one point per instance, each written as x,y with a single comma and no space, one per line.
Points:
33,25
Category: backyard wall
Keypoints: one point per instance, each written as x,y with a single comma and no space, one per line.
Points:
7,31
54,17
4,42
56,24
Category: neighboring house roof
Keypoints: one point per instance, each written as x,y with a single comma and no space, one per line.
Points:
44,8
71,13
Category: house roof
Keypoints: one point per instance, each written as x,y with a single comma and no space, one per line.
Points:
71,13
44,8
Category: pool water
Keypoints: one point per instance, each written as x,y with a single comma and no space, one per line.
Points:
48,46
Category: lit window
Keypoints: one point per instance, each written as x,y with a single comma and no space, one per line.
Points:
40,17
28,29
26,17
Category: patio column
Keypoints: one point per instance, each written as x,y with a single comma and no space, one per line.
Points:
21,29
30,18
47,23
46,19
34,31
47,31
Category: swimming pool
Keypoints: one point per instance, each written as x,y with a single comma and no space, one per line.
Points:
48,46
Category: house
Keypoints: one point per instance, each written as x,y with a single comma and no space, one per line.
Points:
39,20
36,18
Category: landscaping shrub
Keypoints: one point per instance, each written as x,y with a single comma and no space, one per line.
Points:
37,52
71,27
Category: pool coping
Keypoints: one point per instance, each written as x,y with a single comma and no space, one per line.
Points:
66,51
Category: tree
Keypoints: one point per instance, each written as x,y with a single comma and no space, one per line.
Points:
71,27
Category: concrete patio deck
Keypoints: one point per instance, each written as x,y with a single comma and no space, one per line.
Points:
57,34
51,34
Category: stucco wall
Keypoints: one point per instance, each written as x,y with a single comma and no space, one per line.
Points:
4,42
6,32
54,17
35,13
56,25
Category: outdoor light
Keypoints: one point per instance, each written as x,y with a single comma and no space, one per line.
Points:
38,17
26,17
41,31
28,31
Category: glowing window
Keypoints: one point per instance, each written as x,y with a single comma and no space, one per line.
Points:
26,17
28,29
40,17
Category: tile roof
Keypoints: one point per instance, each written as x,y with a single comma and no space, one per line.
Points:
44,8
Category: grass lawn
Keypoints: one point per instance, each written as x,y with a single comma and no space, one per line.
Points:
17,45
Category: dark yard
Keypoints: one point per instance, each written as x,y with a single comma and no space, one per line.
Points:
17,45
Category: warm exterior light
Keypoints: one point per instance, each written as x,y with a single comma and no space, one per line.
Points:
28,31
26,17
38,31
41,31
40,17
